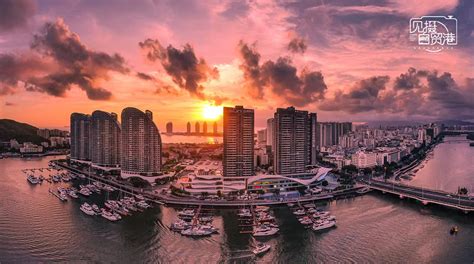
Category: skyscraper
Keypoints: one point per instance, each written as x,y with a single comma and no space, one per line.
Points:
313,139
188,128
204,127
214,129
270,132
141,144
196,128
294,140
105,139
80,136
169,128
238,142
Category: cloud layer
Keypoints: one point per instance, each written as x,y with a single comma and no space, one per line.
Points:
57,61
15,13
279,79
183,66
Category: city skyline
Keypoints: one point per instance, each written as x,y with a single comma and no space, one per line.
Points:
371,74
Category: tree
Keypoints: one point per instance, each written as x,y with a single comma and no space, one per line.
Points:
138,182
349,168
219,193
301,189
462,191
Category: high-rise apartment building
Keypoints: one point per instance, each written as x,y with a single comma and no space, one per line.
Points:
169,128
188,128
141,144
238,142
291,141
197,128
80,136
105,140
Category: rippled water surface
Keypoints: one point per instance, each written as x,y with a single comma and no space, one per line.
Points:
36,227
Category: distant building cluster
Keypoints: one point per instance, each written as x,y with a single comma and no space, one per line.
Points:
366,147
132,146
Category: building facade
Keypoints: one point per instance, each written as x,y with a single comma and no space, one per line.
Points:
105,140
141,144
291,141
80,125
238,158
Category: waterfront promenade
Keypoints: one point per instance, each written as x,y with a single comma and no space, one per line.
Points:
424,195
161,198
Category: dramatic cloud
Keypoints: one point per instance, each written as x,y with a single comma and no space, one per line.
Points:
15,13
69,63
297,45
280,78
145,76
183,66
364,96
250,66
422,93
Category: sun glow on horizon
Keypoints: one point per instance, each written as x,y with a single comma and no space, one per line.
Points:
211,112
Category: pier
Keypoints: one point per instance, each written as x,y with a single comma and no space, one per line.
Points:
424,195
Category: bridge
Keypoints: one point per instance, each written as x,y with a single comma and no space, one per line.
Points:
425,196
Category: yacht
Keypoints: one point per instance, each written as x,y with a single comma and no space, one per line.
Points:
299,212
32,179
66,178
263,230
320,214
73,194
196,231
87,209
84,191
110,216
108,188
265,218
323,225
260,249
180,225
186,213
305,220
56,178
96,208
62,196
143,204
139,197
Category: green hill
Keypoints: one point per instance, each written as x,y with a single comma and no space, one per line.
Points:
10,129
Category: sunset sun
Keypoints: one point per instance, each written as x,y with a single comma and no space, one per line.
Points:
211,112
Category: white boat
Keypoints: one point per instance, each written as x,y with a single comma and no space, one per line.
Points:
363,190
62,196
87,209
96,208
320,214
73,194
84,191
32,179
186,213
143,204
260,249
323,225
305,220
266,217
180,225
299,212
196,231
139,197
263,230
110,216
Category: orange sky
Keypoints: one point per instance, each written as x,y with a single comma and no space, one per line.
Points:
345,42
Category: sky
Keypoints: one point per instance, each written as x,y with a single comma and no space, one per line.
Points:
346,60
